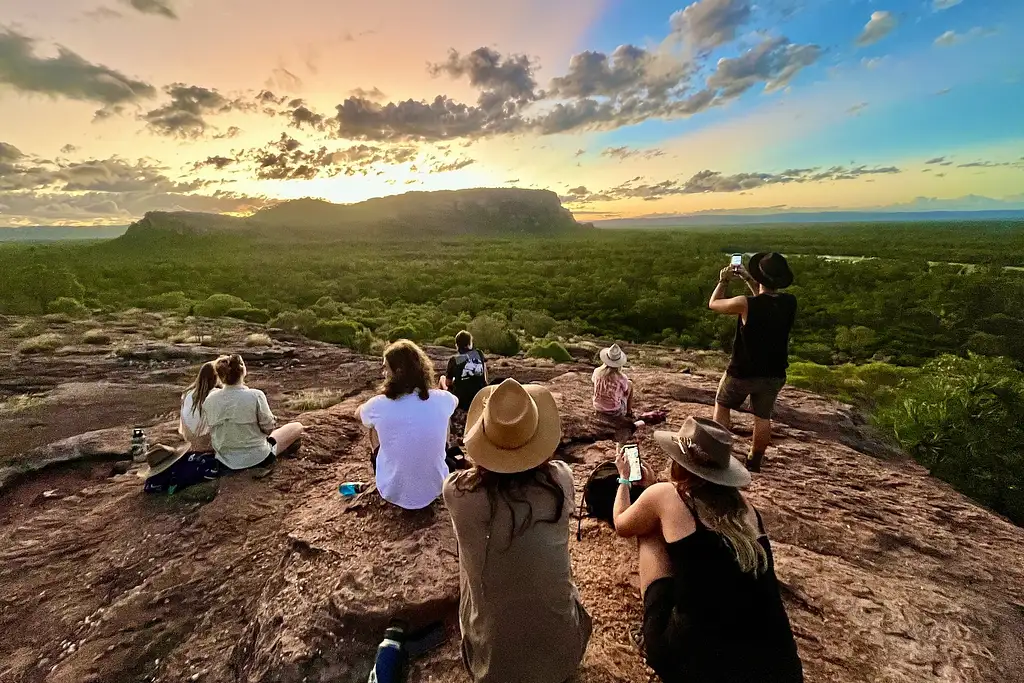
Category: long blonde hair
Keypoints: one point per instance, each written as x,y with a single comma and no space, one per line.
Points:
205,382
607,371
723,510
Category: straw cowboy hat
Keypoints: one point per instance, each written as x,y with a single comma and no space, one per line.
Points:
771,270
704,448
159,458
512,428
613,356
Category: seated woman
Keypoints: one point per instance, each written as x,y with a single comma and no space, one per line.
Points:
241,424
613,391
712,609
192,425
168,470
520,613
409,428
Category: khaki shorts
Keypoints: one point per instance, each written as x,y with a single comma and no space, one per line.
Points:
733,391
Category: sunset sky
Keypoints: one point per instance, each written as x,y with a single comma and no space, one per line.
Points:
111,108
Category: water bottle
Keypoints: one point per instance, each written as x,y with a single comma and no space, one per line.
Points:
351,488
389,667
138,449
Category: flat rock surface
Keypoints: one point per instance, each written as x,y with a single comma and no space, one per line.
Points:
888,574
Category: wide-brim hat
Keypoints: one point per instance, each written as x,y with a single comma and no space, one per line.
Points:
613,356
704,447
160,458
512,427
771,270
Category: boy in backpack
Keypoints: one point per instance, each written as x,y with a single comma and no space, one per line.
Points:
467,371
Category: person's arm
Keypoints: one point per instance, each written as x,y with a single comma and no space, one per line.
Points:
264,417
736,305
639,518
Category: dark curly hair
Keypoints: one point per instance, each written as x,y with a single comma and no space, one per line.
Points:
410,371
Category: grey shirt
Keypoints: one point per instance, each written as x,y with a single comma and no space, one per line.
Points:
520,612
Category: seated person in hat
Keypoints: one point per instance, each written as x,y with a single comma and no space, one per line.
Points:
408,425
613,391
712,609
192,424
520,613
760,352
241,424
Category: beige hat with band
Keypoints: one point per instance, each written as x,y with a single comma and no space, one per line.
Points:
704,447
512,427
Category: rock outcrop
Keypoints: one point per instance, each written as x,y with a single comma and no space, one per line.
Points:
888,574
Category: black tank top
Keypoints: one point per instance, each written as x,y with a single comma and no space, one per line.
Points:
761,346
730,626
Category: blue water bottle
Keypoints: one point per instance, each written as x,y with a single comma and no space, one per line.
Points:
389,667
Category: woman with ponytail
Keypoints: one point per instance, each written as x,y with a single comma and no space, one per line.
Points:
192,425
241,424
712,608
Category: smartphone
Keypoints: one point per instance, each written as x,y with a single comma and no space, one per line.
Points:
632,454
737,261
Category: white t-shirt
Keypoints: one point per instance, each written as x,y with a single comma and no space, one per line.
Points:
239,419
193,426
413,435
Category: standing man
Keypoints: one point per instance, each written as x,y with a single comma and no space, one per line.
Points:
760,352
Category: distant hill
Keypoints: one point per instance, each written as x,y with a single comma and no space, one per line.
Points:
45,233
716,218
501,211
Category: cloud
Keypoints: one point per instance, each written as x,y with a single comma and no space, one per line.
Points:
873,62
707,24
453,166
936,160
950,38
9,153
629,72
708,181
218,162
880,25
939,5
94,175
373,94
856,109
103,13
440,119
283,79
623,153
580,152
990,164
185,115
157,7
60,208
66,75
944,91
506,83
285,159
775,62
68,149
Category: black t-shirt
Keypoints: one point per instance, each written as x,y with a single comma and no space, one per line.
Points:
466,376
761,347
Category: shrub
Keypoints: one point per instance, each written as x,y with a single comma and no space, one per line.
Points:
41,344
535,324
815,353
401,332
296,321
868,385
988,344
97,336
258,339
314,399
342,332
72,308
169,301
550,349
29,328
249,315
963,419
491,333
217,305
364,341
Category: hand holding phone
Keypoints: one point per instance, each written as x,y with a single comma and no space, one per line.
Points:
632,453
737,261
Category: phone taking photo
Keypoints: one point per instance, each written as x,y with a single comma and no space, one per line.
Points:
737,261
632,453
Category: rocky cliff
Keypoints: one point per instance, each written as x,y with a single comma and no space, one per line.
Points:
888,575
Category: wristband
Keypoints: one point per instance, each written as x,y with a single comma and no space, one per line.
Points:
627,482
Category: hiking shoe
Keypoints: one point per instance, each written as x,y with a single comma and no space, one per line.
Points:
754,461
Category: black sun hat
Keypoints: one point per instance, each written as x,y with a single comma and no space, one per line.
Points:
771,270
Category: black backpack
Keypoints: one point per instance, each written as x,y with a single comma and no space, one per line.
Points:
599,495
